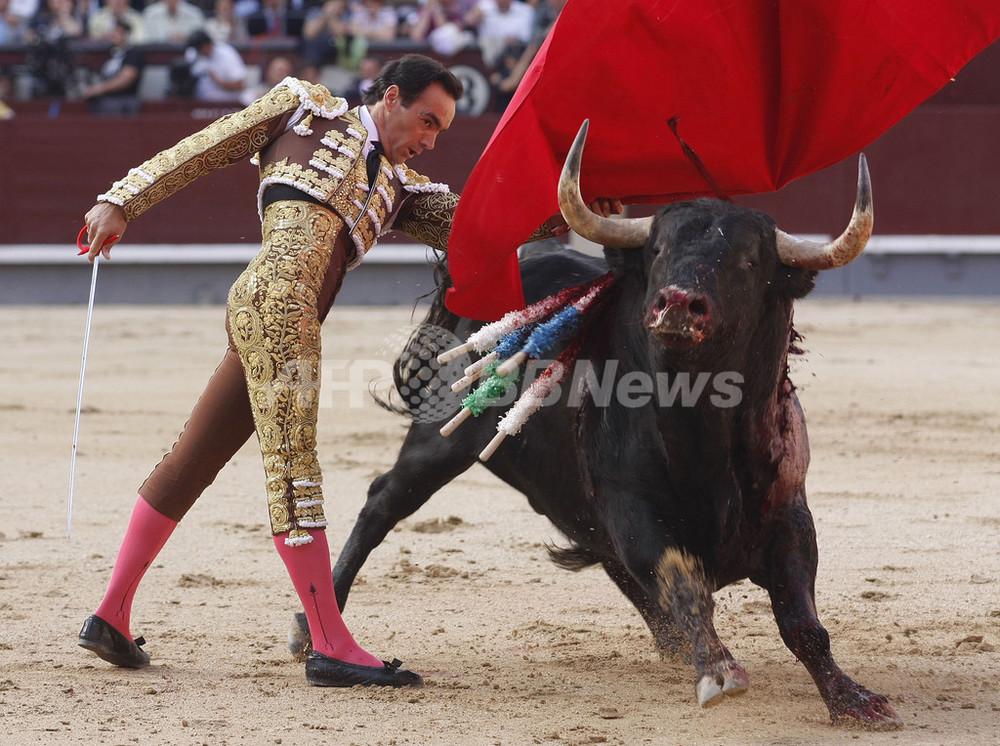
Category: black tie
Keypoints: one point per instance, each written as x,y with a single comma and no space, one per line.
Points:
373,161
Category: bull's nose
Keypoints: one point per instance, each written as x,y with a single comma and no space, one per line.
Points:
694,304
676,310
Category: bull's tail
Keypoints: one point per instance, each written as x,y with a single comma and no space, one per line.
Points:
572,558
439,315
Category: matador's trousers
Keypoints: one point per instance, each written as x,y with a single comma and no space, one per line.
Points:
268,380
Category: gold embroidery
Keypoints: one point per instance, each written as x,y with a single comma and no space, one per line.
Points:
224,142
412,179
541,233
429,219
328,159
276,329
244,133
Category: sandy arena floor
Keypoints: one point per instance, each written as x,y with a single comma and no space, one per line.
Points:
903,404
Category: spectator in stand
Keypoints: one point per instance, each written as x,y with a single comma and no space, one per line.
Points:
49,58
374,20
370,68
224,25
218,68
324,37
275,71
56,20
6,91
172,21
441,23
10,25
277,18
508,76
117,93
243,8
205,6
24,10
101,25
498,24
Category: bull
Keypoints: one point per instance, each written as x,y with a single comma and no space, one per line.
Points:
674,500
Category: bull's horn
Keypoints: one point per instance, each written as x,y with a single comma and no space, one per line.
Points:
616,234
805,254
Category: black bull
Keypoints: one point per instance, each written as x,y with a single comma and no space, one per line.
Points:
674,500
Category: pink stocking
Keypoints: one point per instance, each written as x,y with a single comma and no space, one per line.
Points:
147,532
309,567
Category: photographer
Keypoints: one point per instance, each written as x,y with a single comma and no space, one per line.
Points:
117,93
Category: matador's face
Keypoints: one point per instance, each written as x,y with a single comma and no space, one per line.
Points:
410,130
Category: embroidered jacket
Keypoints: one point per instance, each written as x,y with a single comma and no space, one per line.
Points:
322,158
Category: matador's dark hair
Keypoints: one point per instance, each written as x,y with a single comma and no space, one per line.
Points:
413,73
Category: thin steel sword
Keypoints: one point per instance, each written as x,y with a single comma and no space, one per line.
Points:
79,396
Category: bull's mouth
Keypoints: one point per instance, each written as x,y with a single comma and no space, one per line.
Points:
678,339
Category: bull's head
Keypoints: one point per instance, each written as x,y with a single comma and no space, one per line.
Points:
681,314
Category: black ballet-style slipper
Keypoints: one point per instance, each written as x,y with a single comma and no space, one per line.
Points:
101,638
321,670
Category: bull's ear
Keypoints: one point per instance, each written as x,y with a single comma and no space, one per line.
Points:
794,282
624,261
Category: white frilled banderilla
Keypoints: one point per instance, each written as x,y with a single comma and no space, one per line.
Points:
510,342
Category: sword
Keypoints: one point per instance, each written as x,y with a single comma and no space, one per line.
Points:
83,370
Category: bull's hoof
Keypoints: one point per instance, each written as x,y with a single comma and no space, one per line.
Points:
869,711
299,639
727,680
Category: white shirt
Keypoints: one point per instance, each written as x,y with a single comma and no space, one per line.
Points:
23,8
161,26
227,65
496,27
373,136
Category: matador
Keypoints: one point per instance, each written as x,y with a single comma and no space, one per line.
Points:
332,180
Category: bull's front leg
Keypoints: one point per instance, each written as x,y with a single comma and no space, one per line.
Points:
685,592
671,642
675,580
791,585
647,516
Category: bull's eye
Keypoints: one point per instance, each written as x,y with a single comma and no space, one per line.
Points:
751,264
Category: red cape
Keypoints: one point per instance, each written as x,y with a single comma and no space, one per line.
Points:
764,91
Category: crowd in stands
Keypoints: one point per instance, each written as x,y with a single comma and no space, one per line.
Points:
207,33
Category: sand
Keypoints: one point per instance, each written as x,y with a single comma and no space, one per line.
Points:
903,405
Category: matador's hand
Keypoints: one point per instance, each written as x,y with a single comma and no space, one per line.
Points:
603,206
106,224
606,206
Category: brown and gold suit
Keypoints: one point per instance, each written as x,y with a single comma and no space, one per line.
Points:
309,147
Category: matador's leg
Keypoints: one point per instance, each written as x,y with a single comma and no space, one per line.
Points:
275,327
219,424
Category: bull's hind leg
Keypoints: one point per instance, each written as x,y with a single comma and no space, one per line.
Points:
426,463
791,580
685,592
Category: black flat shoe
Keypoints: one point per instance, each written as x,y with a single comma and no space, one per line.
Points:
101,638
322,670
